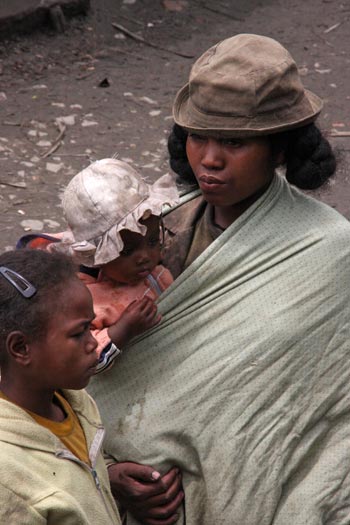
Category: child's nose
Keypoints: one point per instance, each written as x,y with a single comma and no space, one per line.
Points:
142,255
91,344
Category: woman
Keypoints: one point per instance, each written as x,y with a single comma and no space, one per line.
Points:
244,385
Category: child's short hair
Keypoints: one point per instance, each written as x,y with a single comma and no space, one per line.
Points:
47,273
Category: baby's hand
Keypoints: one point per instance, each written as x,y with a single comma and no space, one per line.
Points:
139,316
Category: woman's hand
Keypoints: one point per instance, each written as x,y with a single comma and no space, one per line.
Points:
138,317
151,498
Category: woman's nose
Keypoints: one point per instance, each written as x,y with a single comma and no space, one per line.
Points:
212,154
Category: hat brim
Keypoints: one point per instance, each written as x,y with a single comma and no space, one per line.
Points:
190,117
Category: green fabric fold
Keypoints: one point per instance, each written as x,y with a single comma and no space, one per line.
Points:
248,375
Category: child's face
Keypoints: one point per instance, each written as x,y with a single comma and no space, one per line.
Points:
140,254
65,357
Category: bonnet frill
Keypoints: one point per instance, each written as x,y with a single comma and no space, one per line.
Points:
106,197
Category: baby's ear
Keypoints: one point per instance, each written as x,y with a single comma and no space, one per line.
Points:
18,348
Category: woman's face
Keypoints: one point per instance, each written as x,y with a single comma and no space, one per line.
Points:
230,171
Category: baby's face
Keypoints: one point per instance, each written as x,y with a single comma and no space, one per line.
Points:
140,254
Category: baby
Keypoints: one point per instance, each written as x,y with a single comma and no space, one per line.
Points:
115,234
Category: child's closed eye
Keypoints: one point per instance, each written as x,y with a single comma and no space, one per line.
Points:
126,252
153,242
81,332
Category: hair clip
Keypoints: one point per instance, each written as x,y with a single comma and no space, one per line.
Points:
161,232
21,284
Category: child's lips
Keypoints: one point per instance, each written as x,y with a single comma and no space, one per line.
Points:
94,365
143,273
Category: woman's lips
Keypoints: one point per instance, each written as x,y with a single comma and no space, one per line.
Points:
209,179
208,183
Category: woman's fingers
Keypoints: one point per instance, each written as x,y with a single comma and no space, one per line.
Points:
163,507
153,499
161,515
134,482
170,477
170,491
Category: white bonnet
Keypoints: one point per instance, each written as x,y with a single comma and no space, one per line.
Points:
101,200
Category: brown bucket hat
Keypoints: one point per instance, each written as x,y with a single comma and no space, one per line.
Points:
245,85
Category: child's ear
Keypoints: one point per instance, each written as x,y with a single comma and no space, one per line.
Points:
18,347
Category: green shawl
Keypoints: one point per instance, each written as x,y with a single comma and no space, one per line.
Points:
245,384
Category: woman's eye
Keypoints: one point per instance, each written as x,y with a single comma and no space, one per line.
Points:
196,138
231,142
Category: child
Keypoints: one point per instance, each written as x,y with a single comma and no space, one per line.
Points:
115,229
52,468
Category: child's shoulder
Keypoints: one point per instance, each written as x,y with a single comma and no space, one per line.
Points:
88,275
83,404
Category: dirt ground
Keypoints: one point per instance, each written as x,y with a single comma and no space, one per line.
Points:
93,92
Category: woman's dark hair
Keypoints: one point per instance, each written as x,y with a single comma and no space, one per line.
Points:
49,274
178,157
309,158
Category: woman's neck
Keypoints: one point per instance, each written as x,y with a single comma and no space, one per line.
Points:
224,216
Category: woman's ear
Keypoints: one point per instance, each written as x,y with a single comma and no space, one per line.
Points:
18,347
280,159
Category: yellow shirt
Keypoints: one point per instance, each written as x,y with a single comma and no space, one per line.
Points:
69,431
